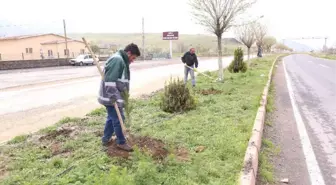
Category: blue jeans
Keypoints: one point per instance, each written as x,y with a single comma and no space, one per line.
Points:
192,75
113,125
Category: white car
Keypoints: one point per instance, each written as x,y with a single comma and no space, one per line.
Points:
84,59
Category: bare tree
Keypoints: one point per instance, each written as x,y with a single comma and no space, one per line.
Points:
218,16
268,42
281,47
182,47
245,34
260,32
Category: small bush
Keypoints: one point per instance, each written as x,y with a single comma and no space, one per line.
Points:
238,64
18,139
177,97
128,107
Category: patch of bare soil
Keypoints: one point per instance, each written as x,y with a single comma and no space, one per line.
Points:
62,131
3,173
154,147
56,149
99,133
150,95
210,91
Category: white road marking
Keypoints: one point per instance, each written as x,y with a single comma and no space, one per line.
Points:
324,66
14,92
314,171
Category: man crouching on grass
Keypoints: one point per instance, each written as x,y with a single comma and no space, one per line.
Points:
116,82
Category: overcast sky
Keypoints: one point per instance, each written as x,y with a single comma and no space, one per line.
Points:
284,18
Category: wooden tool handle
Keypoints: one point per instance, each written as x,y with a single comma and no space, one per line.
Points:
94,58
198,71
123,128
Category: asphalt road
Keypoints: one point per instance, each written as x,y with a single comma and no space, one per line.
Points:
23,77
57,92
311,88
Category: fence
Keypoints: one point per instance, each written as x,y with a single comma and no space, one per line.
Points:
36,56
23,64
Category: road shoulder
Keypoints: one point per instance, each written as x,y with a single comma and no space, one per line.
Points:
281,130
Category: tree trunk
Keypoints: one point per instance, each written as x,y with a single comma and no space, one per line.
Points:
248,56
220,63
259,51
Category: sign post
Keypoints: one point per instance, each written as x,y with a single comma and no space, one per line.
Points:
170,35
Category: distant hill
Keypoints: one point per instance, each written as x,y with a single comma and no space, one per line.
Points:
154,40
297,46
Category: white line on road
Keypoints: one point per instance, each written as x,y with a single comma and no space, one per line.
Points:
13,92
314,171
324,66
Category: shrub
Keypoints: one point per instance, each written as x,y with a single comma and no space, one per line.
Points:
238,64
177,97
128,107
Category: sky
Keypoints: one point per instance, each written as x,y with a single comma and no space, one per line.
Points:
285,19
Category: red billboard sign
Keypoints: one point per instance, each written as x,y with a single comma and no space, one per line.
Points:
170,35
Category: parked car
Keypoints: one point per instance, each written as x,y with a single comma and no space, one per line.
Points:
84,59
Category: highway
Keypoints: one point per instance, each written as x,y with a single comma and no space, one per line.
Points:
309,101
35,98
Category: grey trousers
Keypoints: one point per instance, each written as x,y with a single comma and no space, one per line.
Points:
192,75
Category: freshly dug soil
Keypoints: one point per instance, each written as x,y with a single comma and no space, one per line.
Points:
210,91
56,149
3,173
154,147
61,131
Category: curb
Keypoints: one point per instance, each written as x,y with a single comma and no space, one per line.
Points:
249,172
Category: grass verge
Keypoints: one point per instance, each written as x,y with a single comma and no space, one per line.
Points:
326,56
268,149
266,169
70,151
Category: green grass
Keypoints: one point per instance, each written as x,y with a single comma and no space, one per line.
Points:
18,139
326,56
268,149
266,168
270,98
222,123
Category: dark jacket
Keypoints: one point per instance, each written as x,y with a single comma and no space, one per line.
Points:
116,80
190,59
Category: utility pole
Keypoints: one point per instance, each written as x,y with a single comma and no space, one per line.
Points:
66,40
143,38
325,44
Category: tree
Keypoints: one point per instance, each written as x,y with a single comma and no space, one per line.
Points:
245,34
282,47
238,65
218,16
260,32
268,42
181,47
95,48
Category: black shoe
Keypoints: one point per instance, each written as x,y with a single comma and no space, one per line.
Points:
105,143
125,147
105,146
